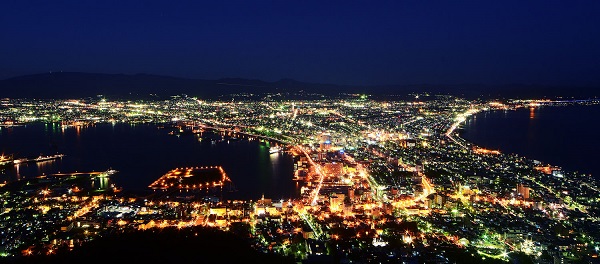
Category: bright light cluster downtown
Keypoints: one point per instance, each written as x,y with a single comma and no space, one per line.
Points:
380,179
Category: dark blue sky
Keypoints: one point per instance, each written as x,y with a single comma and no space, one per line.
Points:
344,42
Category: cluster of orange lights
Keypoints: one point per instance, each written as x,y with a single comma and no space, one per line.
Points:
30,251
497,104
545,169
486,151
173,179
504,201
5,158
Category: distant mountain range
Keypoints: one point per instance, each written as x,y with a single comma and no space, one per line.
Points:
79,85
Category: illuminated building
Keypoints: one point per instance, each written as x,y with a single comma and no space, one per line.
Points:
523,191
325,141
334,168
336,202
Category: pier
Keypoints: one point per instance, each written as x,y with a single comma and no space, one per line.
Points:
38,159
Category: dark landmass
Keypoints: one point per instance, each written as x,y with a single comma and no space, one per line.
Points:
63,85
169,245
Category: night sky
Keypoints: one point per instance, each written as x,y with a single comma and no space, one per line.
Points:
342,42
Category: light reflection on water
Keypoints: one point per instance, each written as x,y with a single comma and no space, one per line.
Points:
143,153
562,136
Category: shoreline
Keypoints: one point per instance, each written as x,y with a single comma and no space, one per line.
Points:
133,181
458,131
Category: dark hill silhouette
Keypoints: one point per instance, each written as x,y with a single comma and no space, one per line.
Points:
77,85
169,245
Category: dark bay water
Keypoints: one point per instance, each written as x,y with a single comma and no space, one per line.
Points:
142,153
567,136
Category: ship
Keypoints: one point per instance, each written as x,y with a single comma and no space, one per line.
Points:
9,123
108,173
51,157
274,149
21,160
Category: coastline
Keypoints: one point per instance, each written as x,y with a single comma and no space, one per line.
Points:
537,130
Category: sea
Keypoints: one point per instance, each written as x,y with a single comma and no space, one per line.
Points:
142,153
565,136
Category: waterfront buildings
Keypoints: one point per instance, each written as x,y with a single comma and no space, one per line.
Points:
382,181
